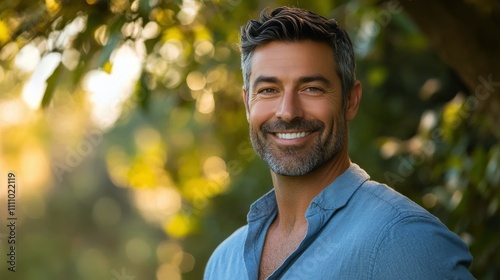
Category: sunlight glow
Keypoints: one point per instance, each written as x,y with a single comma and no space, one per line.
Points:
185,261
107,93
157,204
101,34
53,6
390,148
171,50
204,48
70,58
167,250
429,88
178,226
151,30
4,32
68,35
34,165
168,272
456,198
196,80
34,88
148,139
13,112
28,58
429,200
428,121
205,102
215,168
188,12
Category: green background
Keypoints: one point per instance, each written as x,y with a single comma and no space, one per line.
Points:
124,124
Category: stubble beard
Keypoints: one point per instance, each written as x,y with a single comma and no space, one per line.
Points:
298,160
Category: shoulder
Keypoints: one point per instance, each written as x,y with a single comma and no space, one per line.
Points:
378,207
421,247
389,200
227,256
411,241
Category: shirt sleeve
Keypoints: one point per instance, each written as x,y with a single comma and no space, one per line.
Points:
420,247
226,261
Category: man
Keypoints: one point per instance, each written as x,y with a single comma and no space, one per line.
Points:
324,218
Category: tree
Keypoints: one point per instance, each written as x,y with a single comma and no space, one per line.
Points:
463,34
467,41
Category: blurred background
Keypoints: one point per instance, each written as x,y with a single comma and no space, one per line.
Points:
123,123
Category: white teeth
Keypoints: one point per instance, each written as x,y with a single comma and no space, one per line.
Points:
289,136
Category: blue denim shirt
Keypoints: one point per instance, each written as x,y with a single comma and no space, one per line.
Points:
357,229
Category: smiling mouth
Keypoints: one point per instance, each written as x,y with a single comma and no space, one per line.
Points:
294,135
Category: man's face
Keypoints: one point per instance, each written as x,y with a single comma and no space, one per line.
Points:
294,106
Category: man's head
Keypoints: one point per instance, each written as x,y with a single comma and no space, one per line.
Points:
295,95
292,25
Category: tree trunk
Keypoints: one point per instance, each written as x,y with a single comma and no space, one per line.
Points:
466,35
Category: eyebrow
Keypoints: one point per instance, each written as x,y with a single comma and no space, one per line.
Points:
300,80
264,79
313,78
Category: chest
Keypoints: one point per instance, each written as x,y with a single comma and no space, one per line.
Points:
276,250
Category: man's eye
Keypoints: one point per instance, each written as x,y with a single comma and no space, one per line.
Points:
267,91
313,89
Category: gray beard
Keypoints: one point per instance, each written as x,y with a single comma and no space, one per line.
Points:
298,160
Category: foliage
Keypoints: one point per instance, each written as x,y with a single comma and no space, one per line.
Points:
124,124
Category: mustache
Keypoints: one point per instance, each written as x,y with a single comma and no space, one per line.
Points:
295,124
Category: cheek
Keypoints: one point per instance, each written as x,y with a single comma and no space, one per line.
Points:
321,110
328,113
260,112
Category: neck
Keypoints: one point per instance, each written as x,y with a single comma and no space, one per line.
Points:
295,193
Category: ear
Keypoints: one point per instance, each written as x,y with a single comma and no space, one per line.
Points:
245,100
353,101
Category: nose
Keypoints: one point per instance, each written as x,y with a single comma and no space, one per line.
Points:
290,106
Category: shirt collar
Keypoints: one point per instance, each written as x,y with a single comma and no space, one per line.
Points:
338,193
263,207
333,197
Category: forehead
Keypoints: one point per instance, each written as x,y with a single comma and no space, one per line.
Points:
289,59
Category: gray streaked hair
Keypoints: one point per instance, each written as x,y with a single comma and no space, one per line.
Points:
287,24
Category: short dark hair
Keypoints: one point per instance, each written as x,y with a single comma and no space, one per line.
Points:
287,24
